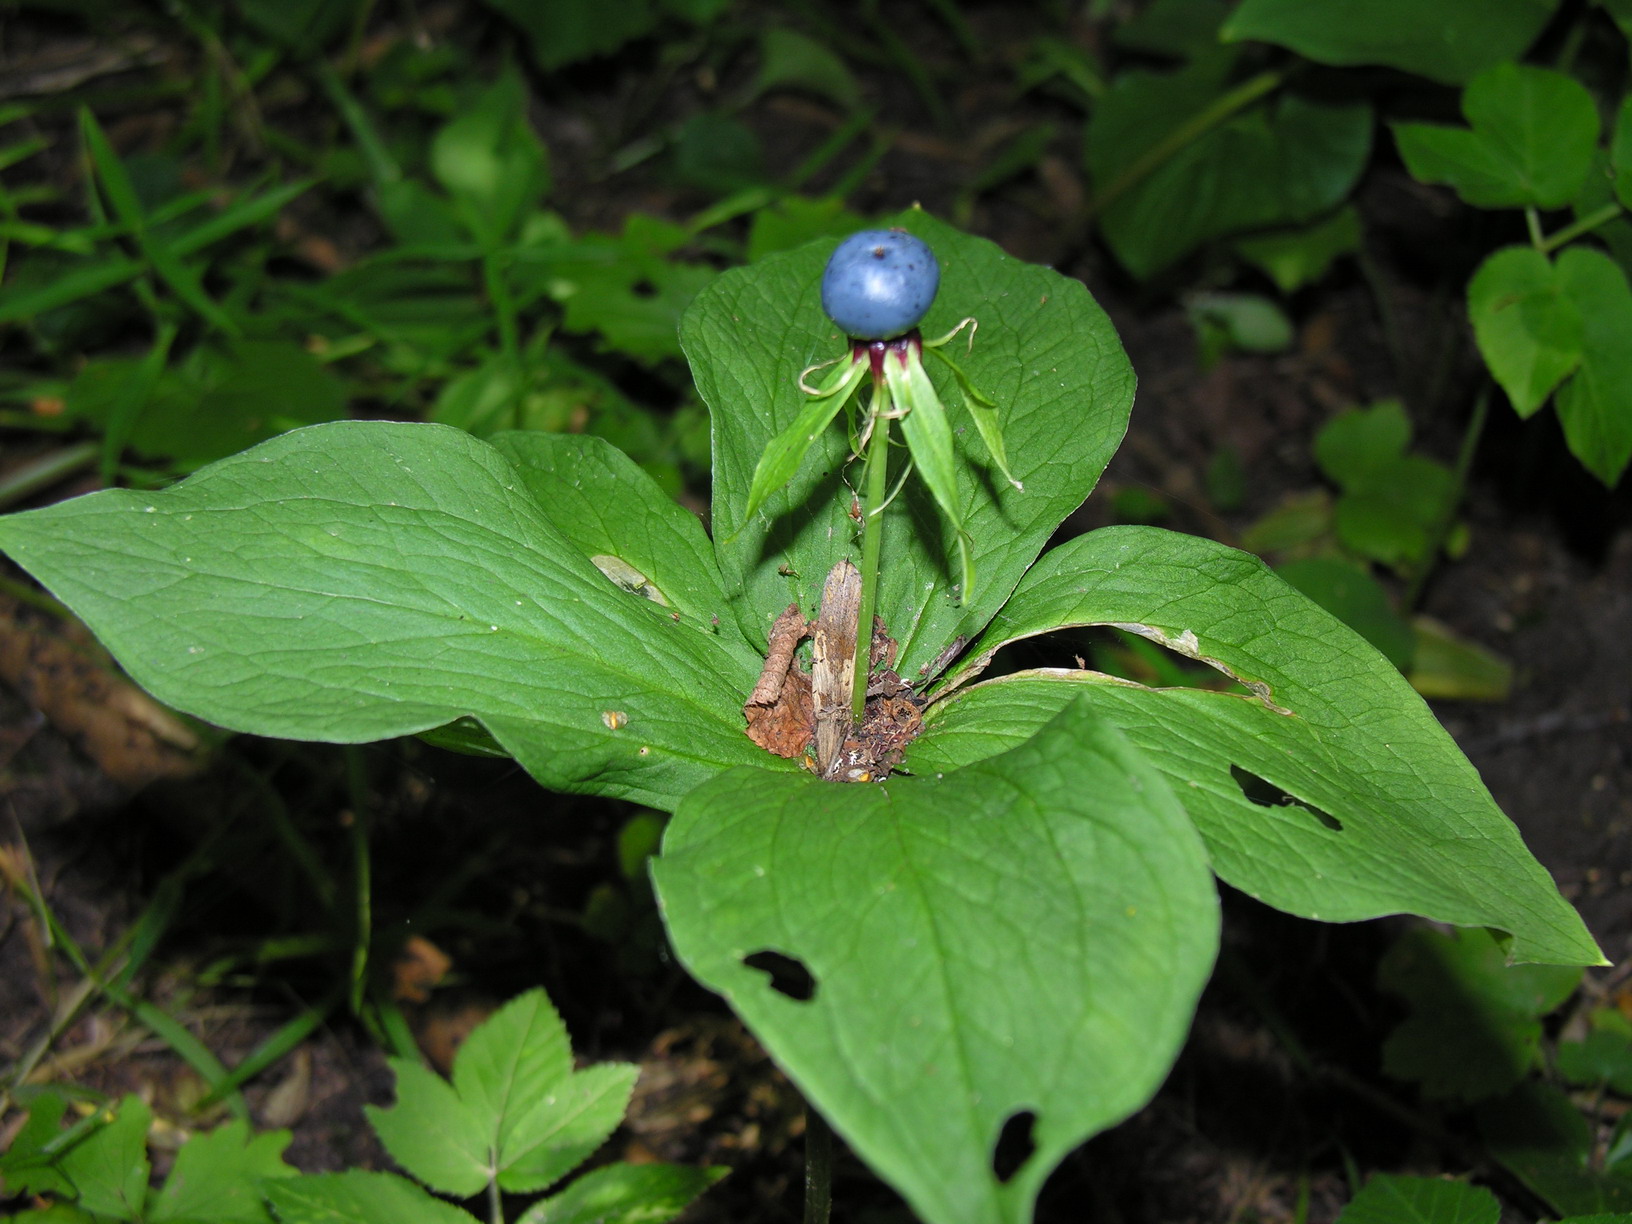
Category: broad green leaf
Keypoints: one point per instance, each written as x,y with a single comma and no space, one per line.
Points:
515,1074
1528,328
1026,934
109,1166
1349,592
1388,1199
1543,1138
1329,722
1298,257
564,32
1530,142
1453,668
601,501
1449,40
217,1176
222,399
1357,447
358,1197
1595,406
1620,153
1603,1058
433,1133
1474,1027
359,580
791,60
1046,355
490,160
798,219
624,1194
1280,162
1178,29
628,287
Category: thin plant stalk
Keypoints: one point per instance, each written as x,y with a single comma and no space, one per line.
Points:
818,1167
875,492
1459,487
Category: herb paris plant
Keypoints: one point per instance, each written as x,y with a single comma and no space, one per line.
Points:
1019,929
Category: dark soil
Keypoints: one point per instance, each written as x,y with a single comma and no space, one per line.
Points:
1250,1126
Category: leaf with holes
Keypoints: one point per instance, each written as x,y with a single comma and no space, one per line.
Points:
1023,939
1377,810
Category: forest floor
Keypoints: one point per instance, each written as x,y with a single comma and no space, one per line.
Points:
1249,1126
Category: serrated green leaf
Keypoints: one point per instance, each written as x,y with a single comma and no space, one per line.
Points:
1474,1028
218,1176
1387,1199
1529,330
561,1131
916,905
603,503
1279,162
359,580
624,1194
358,1197
1448,41
1595,406
1358,746
433,1133
108,1168
515,1074
25,1165
1529,144
1047,356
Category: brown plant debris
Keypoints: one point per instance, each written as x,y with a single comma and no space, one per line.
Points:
797,714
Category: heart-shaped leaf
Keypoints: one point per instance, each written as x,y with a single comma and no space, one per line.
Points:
1370,807
1044,352
359,580
1024,937
1528,328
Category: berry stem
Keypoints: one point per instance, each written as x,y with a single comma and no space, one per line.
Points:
875,487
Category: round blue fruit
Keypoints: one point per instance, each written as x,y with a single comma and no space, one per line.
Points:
879,283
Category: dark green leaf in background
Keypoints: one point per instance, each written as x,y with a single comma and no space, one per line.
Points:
1388,1199
1297,257
624,1194
491,162
1282,162
1475,1027
359,1197
1447,40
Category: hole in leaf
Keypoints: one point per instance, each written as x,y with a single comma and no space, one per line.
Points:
1014,1145
643,288
1115,652
1267,794
787,975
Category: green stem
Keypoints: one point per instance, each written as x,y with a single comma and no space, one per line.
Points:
1192,129
875,491
504,307
1582,225
1459,485
1532,222
818,1167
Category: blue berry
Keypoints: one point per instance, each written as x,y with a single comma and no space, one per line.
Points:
879,283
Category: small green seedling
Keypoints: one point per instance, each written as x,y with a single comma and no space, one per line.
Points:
1006,927
516,1119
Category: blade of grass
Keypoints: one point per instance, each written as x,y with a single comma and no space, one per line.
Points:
132,398
45,471
184,281
277,1045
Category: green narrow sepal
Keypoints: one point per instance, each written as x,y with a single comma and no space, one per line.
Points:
984,411
929,438
787,450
